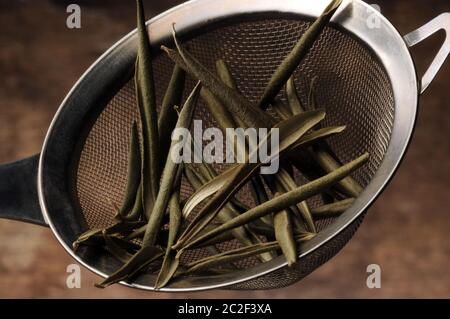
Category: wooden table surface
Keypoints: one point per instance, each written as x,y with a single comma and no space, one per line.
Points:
406,232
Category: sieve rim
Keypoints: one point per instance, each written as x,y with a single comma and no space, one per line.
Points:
406,75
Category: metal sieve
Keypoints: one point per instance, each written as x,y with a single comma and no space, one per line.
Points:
367,81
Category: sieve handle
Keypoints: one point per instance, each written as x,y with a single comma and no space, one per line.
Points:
18,191
441,22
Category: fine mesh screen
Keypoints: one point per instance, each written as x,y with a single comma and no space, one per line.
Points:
352,86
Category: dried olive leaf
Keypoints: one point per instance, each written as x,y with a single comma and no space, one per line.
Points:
237,254
281,109
235,102
169,265
137,210
333,209
227,77
228,212
129,246
114,249
225,74
94,236
285,200
220,113
220,181
168,116
324,158
290,131
285,235
285,178
312,99
287,184
145,93
229,256
282,219
133,176
260,191
293,59
145,256
318,135
169,173
294,103
329,164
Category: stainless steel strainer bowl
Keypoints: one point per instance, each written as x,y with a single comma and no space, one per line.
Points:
367,81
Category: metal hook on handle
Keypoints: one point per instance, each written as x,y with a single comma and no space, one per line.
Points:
441,22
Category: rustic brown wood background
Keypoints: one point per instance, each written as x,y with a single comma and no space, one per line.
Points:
406,232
